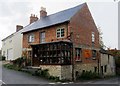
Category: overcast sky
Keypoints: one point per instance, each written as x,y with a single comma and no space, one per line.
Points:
17,12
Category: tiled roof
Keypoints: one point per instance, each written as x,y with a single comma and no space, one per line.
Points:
57,18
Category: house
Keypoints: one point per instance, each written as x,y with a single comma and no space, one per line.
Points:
0,53
12,44
66,43
107,63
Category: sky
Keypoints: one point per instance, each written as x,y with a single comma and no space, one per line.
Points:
17,12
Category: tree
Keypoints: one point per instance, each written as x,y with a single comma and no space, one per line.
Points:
100,38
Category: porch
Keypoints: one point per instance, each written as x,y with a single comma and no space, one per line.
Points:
53,53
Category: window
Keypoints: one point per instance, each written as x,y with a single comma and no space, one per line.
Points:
78,54
60,33
95,69
94,53
31,38
93,37
42,37
105,68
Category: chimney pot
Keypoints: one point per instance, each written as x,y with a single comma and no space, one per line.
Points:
33,18
43,12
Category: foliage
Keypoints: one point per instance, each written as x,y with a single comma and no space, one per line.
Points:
87,75
11,66
19,62
42,73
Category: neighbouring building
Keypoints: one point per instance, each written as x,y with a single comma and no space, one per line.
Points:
0,53
12,44
66,43
107,63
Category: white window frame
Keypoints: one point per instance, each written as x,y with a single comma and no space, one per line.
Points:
60,32
31,38
42,37
93,37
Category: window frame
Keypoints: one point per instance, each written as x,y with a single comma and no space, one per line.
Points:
42,37
78,51
93,37
31,38
94,52
59,30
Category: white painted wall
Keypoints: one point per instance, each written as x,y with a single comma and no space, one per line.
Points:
7,44
15,45
109,62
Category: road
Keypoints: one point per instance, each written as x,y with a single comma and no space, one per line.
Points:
16,77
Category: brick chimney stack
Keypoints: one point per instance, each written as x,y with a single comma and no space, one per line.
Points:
33,18
18,27
43,12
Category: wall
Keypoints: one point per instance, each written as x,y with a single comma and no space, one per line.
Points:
54,70
82,25
13,42
17,42
7,44
50,35
63,72
110,62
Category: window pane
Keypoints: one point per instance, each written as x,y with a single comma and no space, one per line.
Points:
78,54
60,32
42,37
93,37
31,38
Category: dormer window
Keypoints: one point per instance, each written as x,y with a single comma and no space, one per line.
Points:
31,38
60,33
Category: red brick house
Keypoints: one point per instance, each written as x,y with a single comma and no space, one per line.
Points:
66,42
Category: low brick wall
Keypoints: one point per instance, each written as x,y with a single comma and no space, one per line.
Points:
66,72
63,72
54,70
87,67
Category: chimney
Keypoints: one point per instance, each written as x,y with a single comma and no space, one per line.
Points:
18,27
43,12
33,18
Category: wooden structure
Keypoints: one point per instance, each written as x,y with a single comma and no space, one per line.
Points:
53,53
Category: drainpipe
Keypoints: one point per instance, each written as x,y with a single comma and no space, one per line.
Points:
73,68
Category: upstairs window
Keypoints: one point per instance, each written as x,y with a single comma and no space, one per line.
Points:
94,54
60,33
77,54
93,37
31,38
42,37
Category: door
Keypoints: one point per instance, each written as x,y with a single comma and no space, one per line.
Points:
10,54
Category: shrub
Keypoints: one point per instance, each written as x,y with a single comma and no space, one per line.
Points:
42,73
19,61
87,75
11,66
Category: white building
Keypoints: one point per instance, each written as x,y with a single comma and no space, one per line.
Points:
12,45
107,64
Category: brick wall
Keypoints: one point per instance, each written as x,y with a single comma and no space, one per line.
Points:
50,35
82,25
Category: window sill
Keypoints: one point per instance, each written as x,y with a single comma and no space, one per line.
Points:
94,58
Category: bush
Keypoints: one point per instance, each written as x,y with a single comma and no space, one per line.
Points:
87,75
42,73
11,66
19,61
